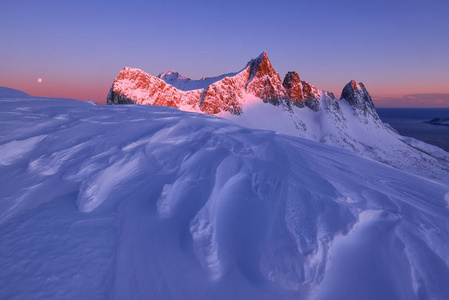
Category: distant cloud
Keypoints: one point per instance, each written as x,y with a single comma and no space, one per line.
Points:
414,100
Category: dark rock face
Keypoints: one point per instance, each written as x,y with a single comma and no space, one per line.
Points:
358,97
293,88
311,96
114,99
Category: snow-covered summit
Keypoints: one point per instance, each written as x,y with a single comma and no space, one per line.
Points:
171,76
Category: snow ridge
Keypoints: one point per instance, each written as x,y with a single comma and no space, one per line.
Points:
12,93
184,83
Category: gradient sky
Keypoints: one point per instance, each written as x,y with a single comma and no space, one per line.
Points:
398,49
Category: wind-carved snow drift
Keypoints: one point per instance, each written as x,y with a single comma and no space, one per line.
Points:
185,198
256,98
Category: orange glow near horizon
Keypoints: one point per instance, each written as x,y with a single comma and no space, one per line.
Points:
396,95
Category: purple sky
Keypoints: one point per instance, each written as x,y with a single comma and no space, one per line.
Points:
398,49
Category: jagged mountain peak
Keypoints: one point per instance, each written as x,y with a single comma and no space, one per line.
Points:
292,74
300,92
261,65
264,82
262,57
355,85
357,96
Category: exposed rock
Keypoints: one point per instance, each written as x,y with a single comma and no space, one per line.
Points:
227,93
136,86
358,97
293,87
301,93
223,93
312,96
115,98
264,82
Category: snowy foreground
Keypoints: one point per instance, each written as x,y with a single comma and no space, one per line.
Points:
148,202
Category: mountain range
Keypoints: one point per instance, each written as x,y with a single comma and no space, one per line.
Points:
257,98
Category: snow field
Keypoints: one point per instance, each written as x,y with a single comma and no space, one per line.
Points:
340,125
134,202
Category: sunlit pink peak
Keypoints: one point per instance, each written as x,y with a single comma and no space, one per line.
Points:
258,60
171,75
262,56
228,92
355,85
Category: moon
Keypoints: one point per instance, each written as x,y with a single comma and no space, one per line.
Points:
39,80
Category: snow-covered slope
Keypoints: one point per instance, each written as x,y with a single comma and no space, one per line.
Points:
12,93
184,83
354,126
149,202
257,98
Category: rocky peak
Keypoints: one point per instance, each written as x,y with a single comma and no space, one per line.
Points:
301,93
358,97
260,66
263,81
293,88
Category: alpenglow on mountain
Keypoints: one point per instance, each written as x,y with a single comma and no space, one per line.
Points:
225,93
257,98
